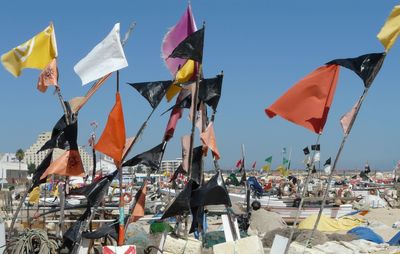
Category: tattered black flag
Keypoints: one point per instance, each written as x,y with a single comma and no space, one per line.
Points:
328,162
365,66
150,158
181,203
36,181
63,136
306,151
153,92
191,47
316,147
213,192
95,191
73,235
179,170
210,91
196,164
185,103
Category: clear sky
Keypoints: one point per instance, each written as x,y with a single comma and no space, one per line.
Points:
263,47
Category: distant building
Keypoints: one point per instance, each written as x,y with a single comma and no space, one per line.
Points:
31,155
170,165
11,171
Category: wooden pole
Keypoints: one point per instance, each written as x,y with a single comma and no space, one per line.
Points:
326,191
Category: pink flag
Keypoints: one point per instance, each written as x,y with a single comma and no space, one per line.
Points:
176,114
208,140
176,35
346,118
48,77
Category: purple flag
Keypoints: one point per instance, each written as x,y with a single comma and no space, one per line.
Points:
174,36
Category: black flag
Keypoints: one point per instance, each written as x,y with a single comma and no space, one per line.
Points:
185,103
153,92
191,47
179,170
150,158
95,191
36,181
210,91
365,66
196,164
73,235
306,150
181,203
316,147
328,162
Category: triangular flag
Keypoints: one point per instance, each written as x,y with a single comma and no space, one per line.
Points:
112,140
306,151
36,178
185,103
181,203
106,57
327,169
48,77
138,210
328,162
184,74
68,164
365,66
208,140
266,167
35,53
269,159
254,165
150,158
153,92
308,102
191,47
346,119
391,29
239,163
210,91
174,36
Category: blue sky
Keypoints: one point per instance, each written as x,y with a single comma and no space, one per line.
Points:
263,47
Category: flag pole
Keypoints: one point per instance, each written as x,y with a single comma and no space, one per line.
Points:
303,195
326,191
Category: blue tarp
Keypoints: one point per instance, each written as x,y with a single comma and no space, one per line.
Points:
366,234
395,240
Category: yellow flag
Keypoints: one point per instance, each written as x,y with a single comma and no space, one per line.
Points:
266,167
390,29
282,170
34,195
35,53
183,75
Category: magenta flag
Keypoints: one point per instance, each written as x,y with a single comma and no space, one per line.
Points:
174,36
346,119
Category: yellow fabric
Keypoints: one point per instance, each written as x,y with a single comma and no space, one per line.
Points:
56,193
183,75
35,53
34,195
266,167
282,170
390,29
328,224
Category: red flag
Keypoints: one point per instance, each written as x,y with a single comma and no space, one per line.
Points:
112,140
239,163
307,103
48,77
138,210
176,114
254,165
68,164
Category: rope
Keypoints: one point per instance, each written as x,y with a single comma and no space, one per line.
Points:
32,241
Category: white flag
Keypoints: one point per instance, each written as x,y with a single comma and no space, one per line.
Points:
317,156
108,56
328,169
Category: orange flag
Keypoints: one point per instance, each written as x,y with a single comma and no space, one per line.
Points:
48,77
138,210
112,140
68,164
307,103
208,140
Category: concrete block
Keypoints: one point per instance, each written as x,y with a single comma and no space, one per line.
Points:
224,248
248,245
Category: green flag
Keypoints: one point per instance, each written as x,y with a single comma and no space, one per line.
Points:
269,159
285,161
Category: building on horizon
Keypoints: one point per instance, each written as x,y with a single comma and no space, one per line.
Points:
31,155
170,165
11,170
